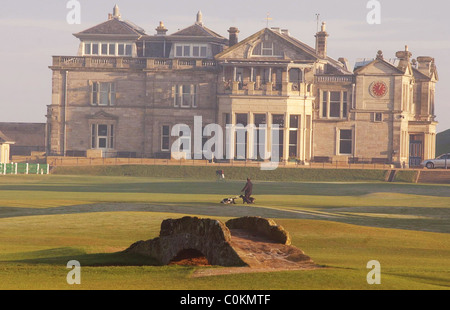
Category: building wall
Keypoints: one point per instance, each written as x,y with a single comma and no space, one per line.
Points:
144,102
4,153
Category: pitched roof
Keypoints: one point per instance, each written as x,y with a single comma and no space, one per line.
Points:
114,26
24,134
311,52
244,42
198,30
419,75
337,64
366,62
5,139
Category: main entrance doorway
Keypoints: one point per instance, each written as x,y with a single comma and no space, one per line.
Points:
415,150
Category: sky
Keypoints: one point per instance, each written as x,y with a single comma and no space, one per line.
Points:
32,32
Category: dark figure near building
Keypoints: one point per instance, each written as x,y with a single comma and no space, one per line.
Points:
248,189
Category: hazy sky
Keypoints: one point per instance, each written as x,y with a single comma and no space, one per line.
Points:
32,31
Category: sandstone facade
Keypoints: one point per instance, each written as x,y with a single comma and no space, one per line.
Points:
126,90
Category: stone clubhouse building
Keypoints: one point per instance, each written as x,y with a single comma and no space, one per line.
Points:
125,90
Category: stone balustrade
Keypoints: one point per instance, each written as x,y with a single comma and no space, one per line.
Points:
334,79
131,63
266,89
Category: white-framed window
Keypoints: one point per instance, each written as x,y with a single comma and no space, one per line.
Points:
278,147
185,95
266,49
334,104
102,136
191,50
103,93
294,128
345,140
107,49
241,136
260,136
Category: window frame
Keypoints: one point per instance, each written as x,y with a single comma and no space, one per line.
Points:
340,140
280,120
97,93
187,50
260,135
259,50
294,129
377,117
109,138
108,48
327,104
181,96
165,136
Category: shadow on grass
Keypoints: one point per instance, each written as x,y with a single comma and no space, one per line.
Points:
61,256
231,188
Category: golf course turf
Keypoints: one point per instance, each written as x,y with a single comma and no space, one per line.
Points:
48,220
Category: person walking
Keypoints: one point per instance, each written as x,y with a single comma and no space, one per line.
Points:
248,189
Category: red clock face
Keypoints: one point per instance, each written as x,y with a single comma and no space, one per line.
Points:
378,89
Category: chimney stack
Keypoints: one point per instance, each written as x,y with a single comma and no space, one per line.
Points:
404,57
321,42
233,38
425,65
161,29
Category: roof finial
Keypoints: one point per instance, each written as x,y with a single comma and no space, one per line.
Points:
199,18
380,54
116,12
317,20
268,18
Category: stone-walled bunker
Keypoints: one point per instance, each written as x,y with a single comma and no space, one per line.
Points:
246,241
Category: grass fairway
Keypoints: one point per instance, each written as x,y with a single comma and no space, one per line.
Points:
45,221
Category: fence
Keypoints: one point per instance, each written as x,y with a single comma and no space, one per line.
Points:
112,161
24,168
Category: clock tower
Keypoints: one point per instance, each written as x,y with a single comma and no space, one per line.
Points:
388,110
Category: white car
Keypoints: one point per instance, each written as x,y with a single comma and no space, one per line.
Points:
442,161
